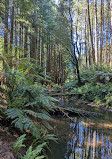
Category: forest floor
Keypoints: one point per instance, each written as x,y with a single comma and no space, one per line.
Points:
6,142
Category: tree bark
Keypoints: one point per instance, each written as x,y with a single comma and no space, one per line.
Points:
111,33
96,38
26,42
74,57
6,27
12,27
107,21
101,33
91,36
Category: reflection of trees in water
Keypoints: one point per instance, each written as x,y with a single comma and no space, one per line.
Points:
88,141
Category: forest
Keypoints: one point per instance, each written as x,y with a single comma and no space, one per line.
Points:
55,79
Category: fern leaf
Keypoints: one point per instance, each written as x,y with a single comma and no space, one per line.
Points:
31,104
30,112
17,115
19,143
40,157
33,154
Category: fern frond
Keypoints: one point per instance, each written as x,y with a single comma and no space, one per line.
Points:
37,115
17,115
19,144
33,154
50,137
32,127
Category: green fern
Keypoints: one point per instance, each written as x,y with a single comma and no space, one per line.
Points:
34,154
19,144
31,153
17,116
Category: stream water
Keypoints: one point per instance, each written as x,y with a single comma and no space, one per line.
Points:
85,138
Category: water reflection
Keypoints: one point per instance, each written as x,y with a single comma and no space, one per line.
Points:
85,138
88,139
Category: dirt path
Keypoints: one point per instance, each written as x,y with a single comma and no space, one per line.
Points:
6,142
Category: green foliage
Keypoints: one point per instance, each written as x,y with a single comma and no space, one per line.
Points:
34,154
27,102
56,87
28,105
31,153
70,85
91,92
19,144
97,87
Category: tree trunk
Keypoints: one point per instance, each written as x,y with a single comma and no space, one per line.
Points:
6,27
106,48
12,27
86,42
20,40
16,38
48,54
74,57
101,33
96,38
111,33
26,42
42,53
91,36
39,46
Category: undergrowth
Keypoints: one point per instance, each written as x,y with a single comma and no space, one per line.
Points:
27,104
96,87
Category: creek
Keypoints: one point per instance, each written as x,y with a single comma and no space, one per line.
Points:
88,137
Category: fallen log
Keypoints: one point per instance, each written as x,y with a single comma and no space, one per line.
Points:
63,94
75,111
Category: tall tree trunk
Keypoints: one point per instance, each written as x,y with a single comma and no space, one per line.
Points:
49,58
96,38
88,46
12,26
55,64
39,46
20,40
48,54
33,46
26,42
16,38
73,55
101,33
6,27
106,48
111,33
59,70
111,13
42,53
86,41
91,36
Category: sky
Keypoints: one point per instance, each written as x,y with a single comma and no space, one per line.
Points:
56,1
